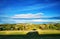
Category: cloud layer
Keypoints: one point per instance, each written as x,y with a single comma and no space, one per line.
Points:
30,21
37,15
28,18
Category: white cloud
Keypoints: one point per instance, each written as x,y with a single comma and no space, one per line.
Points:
40,20
37,20
29,15
29,21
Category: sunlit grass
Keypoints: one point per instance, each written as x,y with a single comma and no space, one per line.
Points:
13,32
48,31
25,32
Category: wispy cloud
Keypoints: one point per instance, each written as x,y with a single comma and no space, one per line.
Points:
30,21
29,15
28,18
28,8
22,11
35,20
33,16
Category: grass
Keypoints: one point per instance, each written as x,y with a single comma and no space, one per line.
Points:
13,32
48,31
25,32
31,35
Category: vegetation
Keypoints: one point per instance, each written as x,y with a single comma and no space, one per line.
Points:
26,26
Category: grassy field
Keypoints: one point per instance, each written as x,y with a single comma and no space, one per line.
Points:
31,35
48,31
40,34
25,32
13,32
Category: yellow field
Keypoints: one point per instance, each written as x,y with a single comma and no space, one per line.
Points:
25,32
48,31
13,32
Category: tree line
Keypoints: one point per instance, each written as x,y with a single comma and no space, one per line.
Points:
24,26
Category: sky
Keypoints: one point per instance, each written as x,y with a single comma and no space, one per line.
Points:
29,11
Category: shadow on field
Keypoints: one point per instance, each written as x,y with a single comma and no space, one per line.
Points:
30,35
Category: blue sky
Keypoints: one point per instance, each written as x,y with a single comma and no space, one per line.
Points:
29,11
